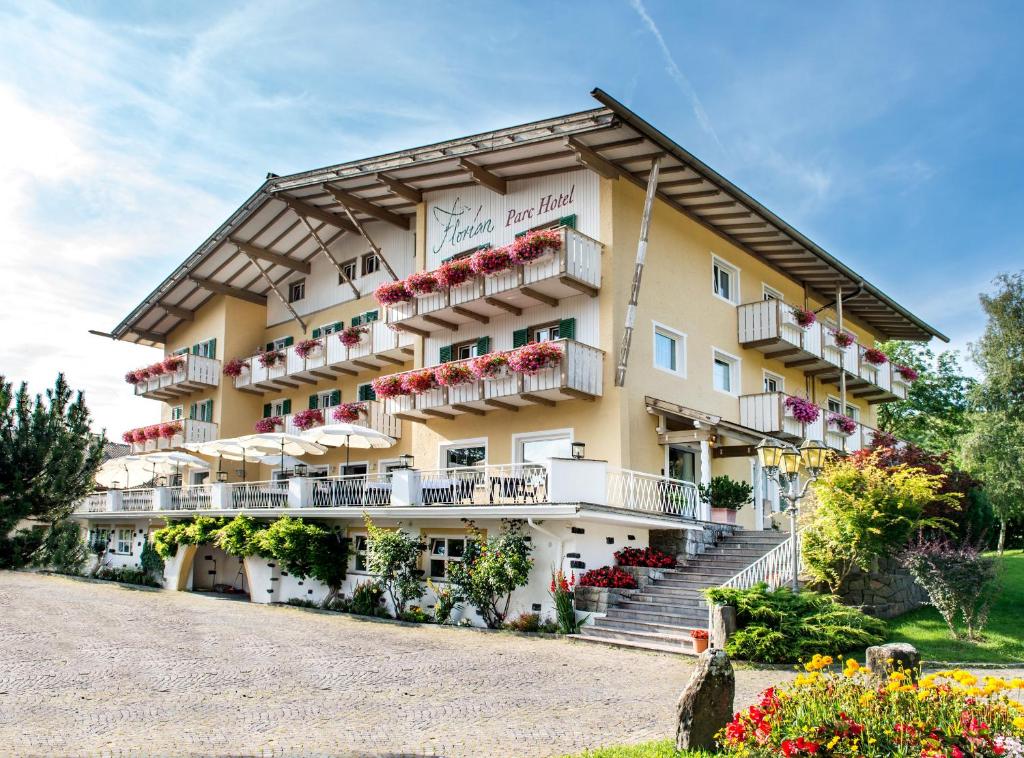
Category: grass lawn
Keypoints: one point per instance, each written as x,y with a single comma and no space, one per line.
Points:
1004,635
660,749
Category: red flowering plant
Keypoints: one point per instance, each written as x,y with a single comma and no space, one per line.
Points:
875,356
699,634
907,373
489,366
533,246
611,577
453,374
534,357
268,424
143,373
138,435
173,363
307,419
648,557
804,317
422,283
348,413
841,338
270,358
133,378
157,369
418,382
170,429
389,386
563,594
152,432
351,336
234,367
842,423
802,410
453,273
392,293
129,436
305,348
491,261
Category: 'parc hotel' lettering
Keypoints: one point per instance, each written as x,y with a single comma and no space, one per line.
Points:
547,204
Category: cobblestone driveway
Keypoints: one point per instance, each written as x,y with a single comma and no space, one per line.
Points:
95,668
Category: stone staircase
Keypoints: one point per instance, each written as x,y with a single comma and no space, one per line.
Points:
661,615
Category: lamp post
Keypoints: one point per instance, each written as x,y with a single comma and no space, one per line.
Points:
782,464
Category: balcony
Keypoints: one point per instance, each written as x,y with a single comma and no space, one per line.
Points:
381,347
579,375
573,269
196,372
374,418
771,327
192,430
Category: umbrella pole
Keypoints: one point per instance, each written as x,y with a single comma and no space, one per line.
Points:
282,457
348,452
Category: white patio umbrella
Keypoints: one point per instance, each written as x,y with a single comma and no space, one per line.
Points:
124,470
166,462
229,448
348,436
280,443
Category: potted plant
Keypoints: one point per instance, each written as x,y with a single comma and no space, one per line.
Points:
305,348
152,432
842,423
388,386
170,429
490,366
534,358
157,369
802,410
270,358
453,374
422,283
307,419
129,436
841,338
173,363
453,273
700,640
348,413
907,373
418,382
351,336
268,424
234,367
491,261
534,246
875,357
392,293
804,317
725,495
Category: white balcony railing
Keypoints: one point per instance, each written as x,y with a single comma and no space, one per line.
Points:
353,490
579,374
573,269
94,502
195,372
197,497
767,412
272,494
492,484
770,325
374,417
192,430
137,500
637,491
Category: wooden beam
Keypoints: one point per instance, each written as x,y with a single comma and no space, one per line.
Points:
401,189
469,409
578,394
507,307
588,158
694,195
311,211
322,247
282,298
688,435
369,241
441,322
367,366
483,177
223,289
539,297
408,417
471,314
411,329
724,216
736,227
389,359
501,405
148,335
345,371
579,286
178,312
682,183
354,201
271,257
734,451
710,206
303,379
323,374
537,399
437,414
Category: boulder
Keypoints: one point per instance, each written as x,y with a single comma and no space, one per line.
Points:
705,705
893,656
723,625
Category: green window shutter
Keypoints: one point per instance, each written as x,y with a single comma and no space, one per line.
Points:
288,341
483,345
371,316
182,351
213,348
314,401
567,329
270,346
209,410
193,410
569,221
444,354
267,410
336,397
338,326
522,233
357,320
520,337
195,349
316,332
287,406
366,392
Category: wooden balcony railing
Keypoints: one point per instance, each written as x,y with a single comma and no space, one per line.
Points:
374,417
196,372
192,430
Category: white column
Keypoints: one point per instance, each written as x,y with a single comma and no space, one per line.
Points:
705,476
114,500
220,496
162,499
759,493
577,481
300,492
406,487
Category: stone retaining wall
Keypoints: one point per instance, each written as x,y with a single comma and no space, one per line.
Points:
887,591
599,599
686,542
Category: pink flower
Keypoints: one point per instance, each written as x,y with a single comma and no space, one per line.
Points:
152,432
270,358
844,424
842,339
392,293
267,425
351,336
234,367
453,374
133,378
534,357
489,366
454,273
802,410
908,373
875,356
388,386
491,261
172,363
304,348
348,412
418,382
534,245
308,419
169,430
422,283
804,317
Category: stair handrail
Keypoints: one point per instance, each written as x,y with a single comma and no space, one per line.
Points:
774,568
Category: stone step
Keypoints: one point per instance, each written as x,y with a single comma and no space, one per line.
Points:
688,618
676,643
632,644
696,580
716,561
680,604
682,631
671,594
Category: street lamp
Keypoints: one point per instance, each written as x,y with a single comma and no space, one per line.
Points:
782,464
406,461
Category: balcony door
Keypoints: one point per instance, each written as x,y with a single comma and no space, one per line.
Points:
682,463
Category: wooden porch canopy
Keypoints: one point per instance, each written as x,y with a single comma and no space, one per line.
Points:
290,220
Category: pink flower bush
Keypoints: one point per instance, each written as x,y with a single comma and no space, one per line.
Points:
351,336
908,373
235,366
388,386
170,429
453,273
422,283
308,419
802,410
489,366
535,245
267,425
129,436
270,358
348,413
172,363
875,356
534,358
133,378
842,339
804,317
392,293
842,423
152,432
418,382
491,261
453,374
305,348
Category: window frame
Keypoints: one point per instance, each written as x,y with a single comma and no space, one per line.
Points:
429,556
444,447
321,394
779,378
734,272
364,264
541,436
119,541
292,286
471,344
852,411
344,266
531,331
734,362
770,293
680,349
177,413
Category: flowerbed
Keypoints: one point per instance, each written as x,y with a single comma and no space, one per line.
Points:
269,424
610,577
828,712
802,410
648,557
308,419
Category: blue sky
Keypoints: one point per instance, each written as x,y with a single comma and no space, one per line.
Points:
889,133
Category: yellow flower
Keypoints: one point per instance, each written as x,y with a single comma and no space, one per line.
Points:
897,676
866,698
1019,722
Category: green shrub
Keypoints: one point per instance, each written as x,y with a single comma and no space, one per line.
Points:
393,556
63,549
490,570
127,575
301,602
241,536
780,626
725,492
150,561
416,615
524,622
307,550
17,549
166,540
446,601
367,599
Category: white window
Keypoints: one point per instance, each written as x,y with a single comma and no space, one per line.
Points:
328,398
370,264
725,372
359,544
458,455
124,541
445,550
774,382
537,447
207,349
296,290
770,293
669,350
852,411
331,328
281,343
545,333
465,350
351,270
725,280
281,407
177,412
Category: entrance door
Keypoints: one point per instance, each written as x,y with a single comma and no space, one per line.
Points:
682,464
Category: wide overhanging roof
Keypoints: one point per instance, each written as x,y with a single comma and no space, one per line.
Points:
287,221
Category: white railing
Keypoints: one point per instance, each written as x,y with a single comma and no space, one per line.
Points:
767,412
197,497
494,484
94,502
137,500
192,430
844,357
358,489
259,494
373,417
767,321
195,369
774,568
637,491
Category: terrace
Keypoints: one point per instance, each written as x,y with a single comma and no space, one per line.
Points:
372,415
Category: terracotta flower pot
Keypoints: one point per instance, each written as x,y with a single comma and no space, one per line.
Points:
723,515
700,645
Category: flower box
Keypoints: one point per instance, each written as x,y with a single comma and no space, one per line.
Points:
804,318
170,430
491,261
842,423
535,246
392,293
875,357
422,283
307,419
348,413
454,273
490,367
841,338
453,374
234,367
351,336
534,358
802,410
418,382
269,424
270,358
907,373
305,348
133,378
173,363
389,386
